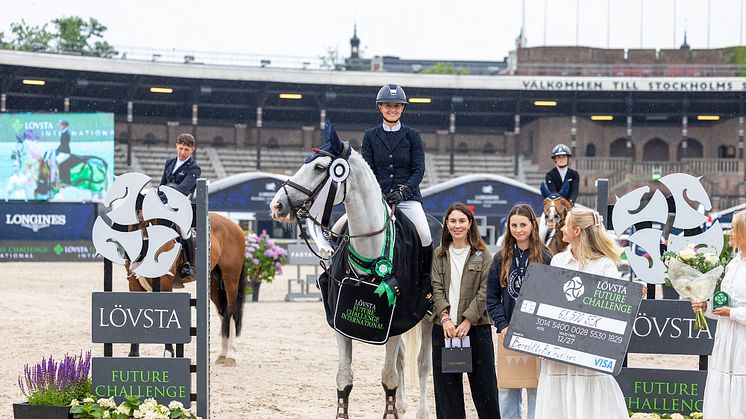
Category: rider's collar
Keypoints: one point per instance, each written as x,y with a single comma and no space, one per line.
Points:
395,128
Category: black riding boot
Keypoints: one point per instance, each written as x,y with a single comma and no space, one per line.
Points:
188,273
425,274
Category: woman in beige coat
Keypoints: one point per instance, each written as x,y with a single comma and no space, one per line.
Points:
459,274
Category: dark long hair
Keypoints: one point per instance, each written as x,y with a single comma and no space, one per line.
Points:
536,248
472,236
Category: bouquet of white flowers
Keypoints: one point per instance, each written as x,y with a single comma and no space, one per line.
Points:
694,273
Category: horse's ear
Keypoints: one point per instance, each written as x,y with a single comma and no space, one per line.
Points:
565,190
544,190
330,137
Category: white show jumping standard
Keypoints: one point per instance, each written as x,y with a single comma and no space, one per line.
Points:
365,213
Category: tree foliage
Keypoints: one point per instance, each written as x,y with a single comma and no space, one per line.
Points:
444,68
30,38
71,35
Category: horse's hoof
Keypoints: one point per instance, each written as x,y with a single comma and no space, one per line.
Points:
229,362
134,355
220,360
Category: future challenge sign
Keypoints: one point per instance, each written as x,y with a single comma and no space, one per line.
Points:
574,317
164,379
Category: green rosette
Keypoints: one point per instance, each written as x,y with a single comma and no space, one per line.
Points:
383,268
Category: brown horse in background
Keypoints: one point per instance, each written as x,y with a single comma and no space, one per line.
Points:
556,207
227,282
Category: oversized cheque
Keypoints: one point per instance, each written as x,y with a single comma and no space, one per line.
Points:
574,317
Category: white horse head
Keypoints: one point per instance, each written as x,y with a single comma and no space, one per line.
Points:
334,174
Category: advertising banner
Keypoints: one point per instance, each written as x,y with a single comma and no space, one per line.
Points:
574,317
47,251
46,221
56,157
667,327
126,317
662,391
164,379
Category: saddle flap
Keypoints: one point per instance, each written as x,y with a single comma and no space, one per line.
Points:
362,314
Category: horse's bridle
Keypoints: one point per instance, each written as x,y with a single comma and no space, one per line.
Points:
338,171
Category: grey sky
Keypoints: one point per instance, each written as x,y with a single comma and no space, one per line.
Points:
434,29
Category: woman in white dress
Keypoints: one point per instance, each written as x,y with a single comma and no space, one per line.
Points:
567,391
725,390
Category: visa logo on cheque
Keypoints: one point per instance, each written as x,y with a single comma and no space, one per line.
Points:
604,364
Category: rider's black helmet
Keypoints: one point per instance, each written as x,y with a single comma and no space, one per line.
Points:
391,93
561,150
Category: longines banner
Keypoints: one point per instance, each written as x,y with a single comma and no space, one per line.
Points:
46,221
47,251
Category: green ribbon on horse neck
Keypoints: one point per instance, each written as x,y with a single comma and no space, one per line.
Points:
384,287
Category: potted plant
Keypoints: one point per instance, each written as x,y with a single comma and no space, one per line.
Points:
50,386
263,260
132,407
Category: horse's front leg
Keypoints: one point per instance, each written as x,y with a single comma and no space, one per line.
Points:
390,376
424,365
344,375
134,350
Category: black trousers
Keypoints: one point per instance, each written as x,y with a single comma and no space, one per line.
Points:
449,388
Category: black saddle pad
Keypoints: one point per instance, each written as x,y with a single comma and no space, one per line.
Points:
413,301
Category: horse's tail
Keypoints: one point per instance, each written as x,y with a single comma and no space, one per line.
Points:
240,298
412,341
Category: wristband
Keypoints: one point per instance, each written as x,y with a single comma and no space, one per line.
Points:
444,319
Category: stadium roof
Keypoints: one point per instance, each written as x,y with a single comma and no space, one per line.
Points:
230,94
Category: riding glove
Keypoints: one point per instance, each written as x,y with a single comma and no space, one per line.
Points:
394,197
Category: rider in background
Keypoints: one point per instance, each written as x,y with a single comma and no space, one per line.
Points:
395,153
181,173
61,173
554,179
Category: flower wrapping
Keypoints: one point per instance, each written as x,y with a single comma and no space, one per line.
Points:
694,275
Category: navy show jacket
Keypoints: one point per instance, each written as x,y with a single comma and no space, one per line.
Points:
397,158
184,179
554,182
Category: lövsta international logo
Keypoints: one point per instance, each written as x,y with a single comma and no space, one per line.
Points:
119,234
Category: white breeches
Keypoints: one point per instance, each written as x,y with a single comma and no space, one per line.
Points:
413,210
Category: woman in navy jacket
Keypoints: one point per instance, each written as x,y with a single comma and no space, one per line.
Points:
521,246
397,157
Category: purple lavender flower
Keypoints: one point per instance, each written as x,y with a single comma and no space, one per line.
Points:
270,243
52,375
278,265
270,254
255,261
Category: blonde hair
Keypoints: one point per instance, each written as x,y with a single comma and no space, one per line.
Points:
738,225
594,242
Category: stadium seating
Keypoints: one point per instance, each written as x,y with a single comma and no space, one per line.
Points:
219,162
